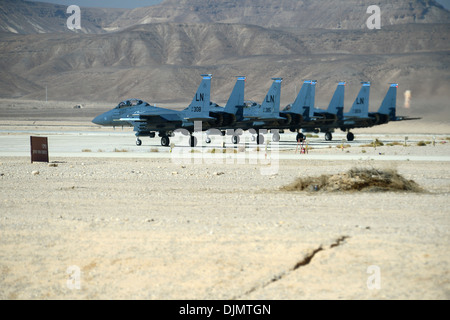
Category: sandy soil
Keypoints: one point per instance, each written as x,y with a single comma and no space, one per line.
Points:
143,226
153,229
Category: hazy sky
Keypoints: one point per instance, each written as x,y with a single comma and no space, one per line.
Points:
139,3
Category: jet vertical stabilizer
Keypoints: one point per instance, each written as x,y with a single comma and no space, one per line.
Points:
199,107
236,98
270,108
360,107
336,105
389,103
302,103
233,111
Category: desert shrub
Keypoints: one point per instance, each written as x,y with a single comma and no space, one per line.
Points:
355,179
395,143
375,143
378,143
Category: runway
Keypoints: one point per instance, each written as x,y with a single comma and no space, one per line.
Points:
121,144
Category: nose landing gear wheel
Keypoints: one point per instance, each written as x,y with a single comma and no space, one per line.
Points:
138,142
328,136
165,141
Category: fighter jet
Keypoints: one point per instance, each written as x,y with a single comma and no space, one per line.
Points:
267,114
320,120
230,115
387,111
249,115
360,117
300,109
233,111
325,120
147,119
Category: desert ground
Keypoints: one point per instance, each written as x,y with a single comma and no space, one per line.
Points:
106,219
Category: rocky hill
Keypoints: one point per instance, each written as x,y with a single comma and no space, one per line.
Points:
161,62
19,16
329,14
28,17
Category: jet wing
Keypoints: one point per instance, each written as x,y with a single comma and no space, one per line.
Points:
401,118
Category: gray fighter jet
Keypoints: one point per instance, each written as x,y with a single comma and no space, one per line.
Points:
147,119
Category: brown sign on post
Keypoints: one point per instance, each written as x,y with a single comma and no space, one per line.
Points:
39,149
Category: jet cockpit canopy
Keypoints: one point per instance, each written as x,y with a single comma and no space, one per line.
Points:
131,103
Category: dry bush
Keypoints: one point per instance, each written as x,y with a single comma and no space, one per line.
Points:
395,143
374,144
356,180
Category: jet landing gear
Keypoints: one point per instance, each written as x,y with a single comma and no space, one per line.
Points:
350,136
276,137
192,141
138,141
143,134
259,138
165,141
329,136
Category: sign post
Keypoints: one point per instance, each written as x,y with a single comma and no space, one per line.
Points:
39,149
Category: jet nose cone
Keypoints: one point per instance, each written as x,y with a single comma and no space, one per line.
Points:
104,119
98,120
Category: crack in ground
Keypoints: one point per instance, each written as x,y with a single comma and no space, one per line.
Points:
305,261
